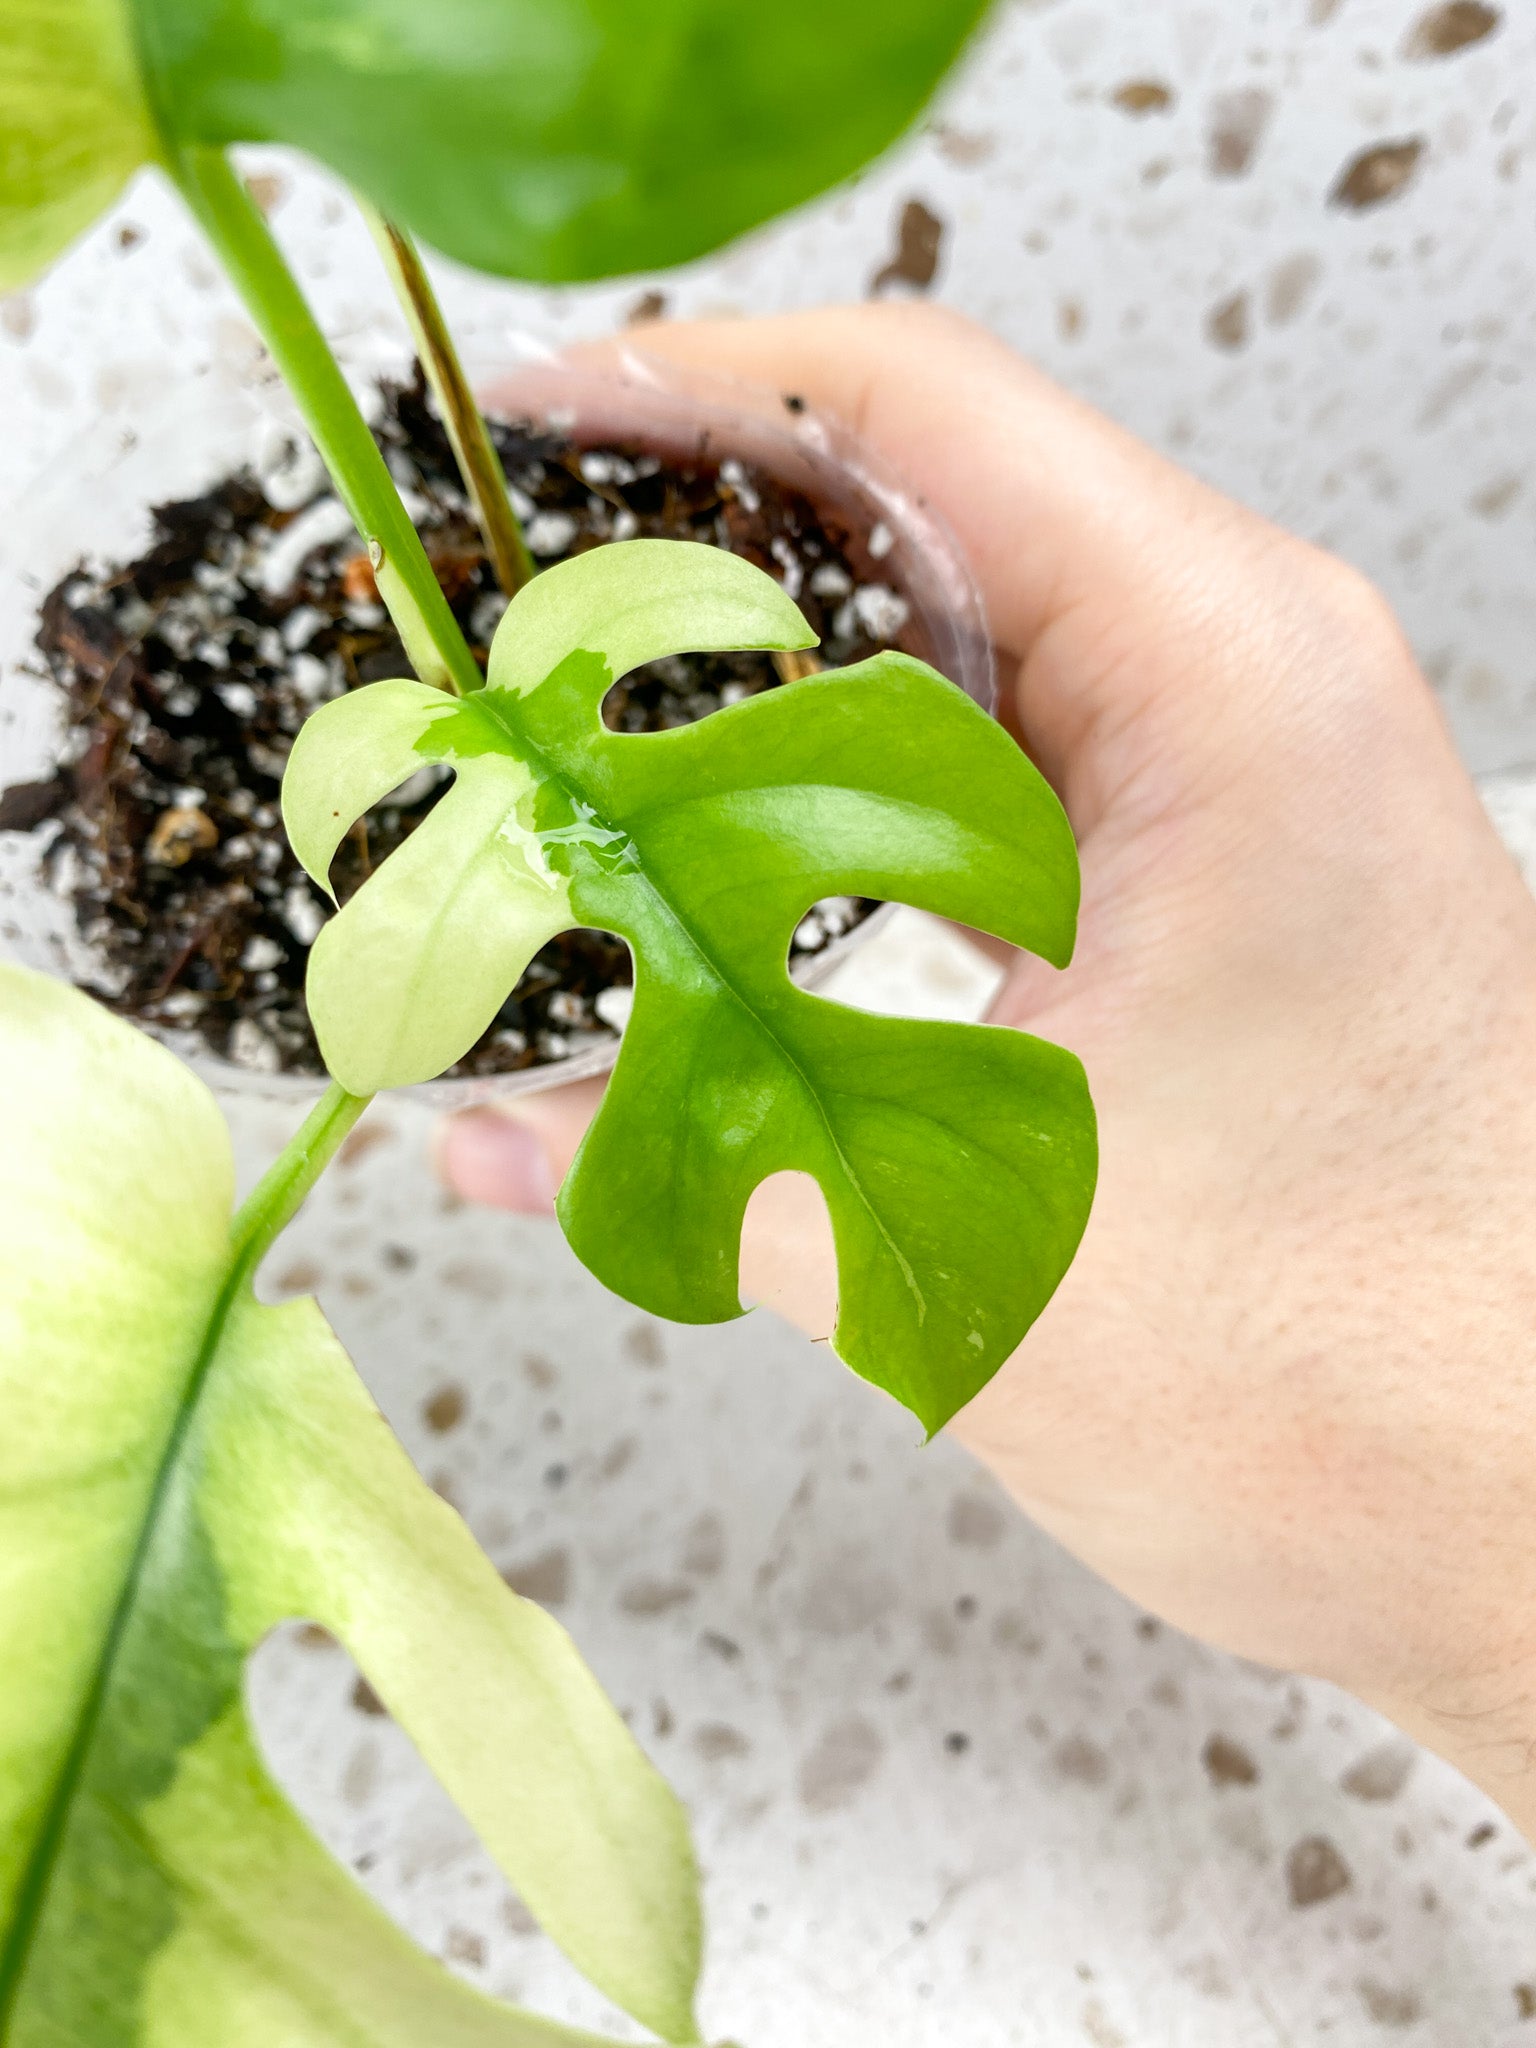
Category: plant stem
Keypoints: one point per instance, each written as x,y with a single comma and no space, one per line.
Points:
479,464
796,666
234,224
281,1192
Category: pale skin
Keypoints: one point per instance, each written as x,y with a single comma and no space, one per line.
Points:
1286,1397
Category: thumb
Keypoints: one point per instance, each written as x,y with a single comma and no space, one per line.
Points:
514,1154
1109,574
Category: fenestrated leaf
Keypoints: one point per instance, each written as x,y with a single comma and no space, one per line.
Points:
453,919
180,1469
957,1162
630,605
545,139
370,744
419,962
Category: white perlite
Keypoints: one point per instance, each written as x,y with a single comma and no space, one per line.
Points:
732,473
302,914
789,562
838,914
248,1046
321,526
487,616
239,698
290,474
312,678
549,533
260,954
614,1006
880,611
301,626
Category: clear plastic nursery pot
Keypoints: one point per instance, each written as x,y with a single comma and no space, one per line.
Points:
95,508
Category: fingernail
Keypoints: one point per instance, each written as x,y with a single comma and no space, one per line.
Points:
489,1157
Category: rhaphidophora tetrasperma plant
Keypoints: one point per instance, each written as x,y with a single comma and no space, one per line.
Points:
181,1468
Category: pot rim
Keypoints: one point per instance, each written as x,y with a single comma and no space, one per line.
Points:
636,396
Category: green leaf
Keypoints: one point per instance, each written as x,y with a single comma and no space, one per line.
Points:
370,742
73,124
629,606
544,139
180,1470
559,139
413,970
957,1162
447,926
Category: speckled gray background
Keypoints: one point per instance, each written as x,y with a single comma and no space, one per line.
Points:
949,1789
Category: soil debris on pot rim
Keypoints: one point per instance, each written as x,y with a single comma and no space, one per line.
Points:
186,674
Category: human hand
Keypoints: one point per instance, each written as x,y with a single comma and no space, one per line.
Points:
1283,1398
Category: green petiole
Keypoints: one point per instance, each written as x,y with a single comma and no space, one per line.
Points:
283,1189
234,224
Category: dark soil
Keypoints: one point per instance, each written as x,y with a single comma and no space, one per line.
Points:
187,673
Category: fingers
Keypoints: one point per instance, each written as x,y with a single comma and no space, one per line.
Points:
997,450
514,1155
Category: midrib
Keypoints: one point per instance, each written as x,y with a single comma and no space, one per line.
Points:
499,709
32,1894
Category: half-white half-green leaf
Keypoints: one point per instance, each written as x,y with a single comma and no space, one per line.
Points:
181,1469
419,961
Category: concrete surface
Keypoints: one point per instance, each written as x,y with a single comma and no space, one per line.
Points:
948,1788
